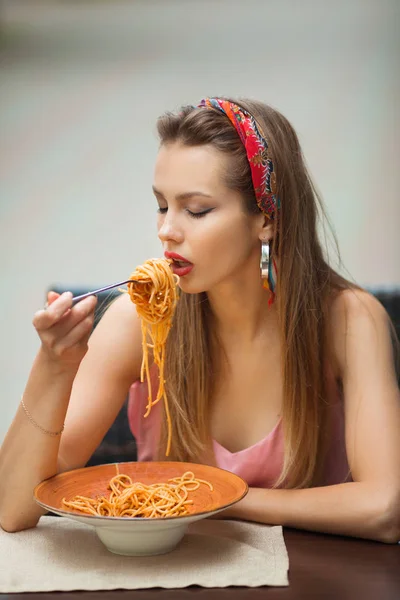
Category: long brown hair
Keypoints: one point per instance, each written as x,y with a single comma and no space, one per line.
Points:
304,287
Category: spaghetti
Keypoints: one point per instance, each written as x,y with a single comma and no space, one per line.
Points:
129,499
155,297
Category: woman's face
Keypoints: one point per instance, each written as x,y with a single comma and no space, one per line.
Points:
202,224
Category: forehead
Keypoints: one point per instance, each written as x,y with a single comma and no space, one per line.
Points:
181,168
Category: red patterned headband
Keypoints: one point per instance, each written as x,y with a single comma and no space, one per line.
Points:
261,165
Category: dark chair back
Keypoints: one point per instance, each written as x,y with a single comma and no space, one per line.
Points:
390,298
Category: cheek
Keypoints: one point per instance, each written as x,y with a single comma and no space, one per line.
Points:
226,244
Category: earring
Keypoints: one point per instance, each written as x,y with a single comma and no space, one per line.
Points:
268,270
264,260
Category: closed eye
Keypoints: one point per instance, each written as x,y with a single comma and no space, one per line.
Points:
198,215
195,215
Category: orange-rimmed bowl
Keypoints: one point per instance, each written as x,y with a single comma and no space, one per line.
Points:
138,536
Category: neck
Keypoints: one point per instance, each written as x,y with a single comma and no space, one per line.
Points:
240,309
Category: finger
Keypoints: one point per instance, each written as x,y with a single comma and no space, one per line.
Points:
47,317
77,313
78,336
51,297
69,320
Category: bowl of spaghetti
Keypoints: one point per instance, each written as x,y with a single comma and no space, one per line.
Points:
140,508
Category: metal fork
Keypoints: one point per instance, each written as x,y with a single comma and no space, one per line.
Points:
76,299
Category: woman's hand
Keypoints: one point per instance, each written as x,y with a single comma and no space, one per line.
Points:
64,329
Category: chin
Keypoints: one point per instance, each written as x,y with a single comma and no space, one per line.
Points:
190,287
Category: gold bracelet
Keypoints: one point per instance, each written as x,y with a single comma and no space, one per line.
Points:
32,420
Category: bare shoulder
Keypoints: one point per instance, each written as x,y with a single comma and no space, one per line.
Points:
117,338
121,313
122,306
357,323
353,306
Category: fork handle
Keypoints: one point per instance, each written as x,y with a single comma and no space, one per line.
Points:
76,299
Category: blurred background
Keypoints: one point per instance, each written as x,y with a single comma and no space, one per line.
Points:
82,83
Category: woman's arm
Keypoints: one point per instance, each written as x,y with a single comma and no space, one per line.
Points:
369,506
90,380
352,508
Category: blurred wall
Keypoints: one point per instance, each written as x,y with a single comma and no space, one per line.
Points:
82,83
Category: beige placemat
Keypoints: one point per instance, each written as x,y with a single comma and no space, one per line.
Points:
63,555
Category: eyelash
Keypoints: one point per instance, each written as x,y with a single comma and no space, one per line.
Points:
198,215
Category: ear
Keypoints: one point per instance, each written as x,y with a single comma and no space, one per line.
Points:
266,230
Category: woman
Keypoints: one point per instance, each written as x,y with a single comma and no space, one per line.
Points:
284,375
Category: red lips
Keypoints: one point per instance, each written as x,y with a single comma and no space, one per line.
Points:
180,265
177,257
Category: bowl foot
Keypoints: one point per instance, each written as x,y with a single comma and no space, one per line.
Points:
141,543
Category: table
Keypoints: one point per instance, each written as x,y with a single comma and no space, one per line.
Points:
321,566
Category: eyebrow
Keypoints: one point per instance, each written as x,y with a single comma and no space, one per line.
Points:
184,195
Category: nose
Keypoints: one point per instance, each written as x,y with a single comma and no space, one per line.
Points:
168,229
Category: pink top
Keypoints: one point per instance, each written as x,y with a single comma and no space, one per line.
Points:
259,465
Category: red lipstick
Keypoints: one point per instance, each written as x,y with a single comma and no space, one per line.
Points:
175,256
180,265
